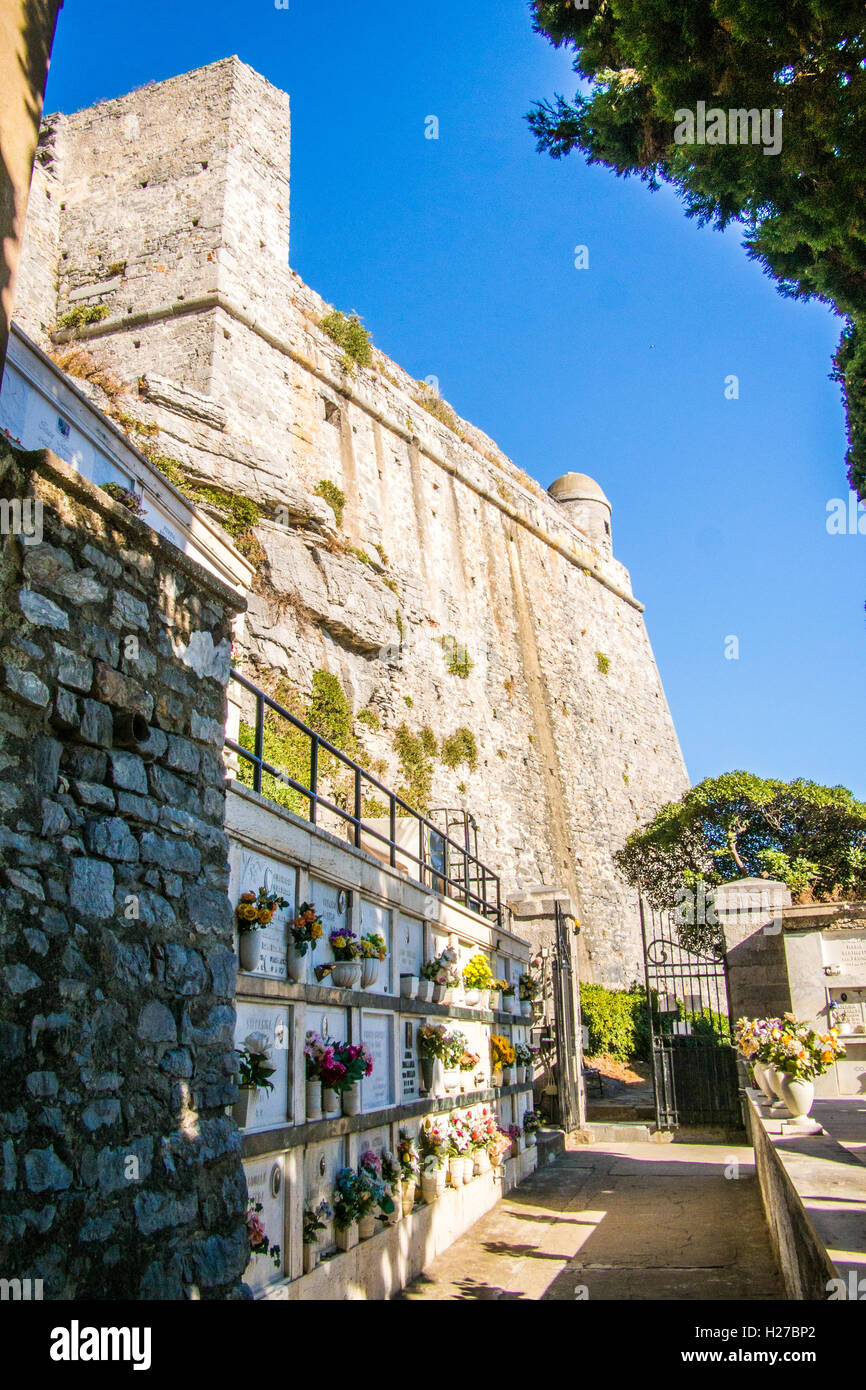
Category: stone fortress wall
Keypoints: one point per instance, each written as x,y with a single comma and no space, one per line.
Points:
169,207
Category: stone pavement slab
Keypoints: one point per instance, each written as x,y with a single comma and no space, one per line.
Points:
621,1222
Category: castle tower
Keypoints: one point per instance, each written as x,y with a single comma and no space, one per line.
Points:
587,507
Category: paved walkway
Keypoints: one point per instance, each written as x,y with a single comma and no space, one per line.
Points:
624,1221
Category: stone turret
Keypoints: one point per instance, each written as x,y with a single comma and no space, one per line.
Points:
587,507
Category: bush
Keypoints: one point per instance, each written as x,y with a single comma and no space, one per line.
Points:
617,1020
351,335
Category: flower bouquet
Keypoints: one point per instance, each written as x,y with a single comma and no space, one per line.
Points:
314,1221
410,1169
259,1242
373,952
373,1195
501,1058
304,931
357,1062
347,1207
346,969
532,1123
433,1044
254,1073
254,911
392,1175
432,1143
477,980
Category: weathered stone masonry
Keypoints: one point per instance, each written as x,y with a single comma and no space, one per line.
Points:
121,1172
167,213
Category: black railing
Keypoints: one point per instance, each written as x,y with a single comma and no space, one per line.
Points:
441,864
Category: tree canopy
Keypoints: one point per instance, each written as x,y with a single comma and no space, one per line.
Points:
803,209
810,837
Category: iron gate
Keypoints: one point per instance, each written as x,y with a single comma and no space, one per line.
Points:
560,1028
694,1063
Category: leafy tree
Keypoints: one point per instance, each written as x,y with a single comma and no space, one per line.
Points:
811,837
803,209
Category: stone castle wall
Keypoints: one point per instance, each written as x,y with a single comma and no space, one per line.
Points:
170,208
122,1173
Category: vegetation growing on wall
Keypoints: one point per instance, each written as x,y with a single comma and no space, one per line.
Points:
335,498
458,662
603,662
433,403
415,754
80,317
349,333
460,747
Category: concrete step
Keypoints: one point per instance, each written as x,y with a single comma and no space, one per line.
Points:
621,1132
602,1112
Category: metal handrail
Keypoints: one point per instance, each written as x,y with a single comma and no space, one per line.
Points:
479,889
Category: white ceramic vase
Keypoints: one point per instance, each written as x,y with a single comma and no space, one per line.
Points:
471,998
352,1100
429,1187
409,986
330,1102
346,974
314,1100
296,964
408,1196
455,1171
347,1239
468,1167
249,948
797,1095
369,972
366,1227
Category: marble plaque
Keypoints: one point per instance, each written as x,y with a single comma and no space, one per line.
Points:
260,871
409,1057
332,905
273,1022
328,1022
377,1090
266,1184
322,1163
378,919
849,952
408,946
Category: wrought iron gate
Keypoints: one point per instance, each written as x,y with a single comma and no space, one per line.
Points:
560,1028
694,1062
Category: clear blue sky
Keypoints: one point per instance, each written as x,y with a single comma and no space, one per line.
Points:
459,255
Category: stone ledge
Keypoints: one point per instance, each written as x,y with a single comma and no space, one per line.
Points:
814,1196
268,1141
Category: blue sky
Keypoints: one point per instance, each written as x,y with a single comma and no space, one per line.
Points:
459,254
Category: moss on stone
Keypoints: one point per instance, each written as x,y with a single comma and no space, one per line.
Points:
460,747
335,498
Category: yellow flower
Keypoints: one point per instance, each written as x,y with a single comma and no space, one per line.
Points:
247,912
265,915
338,942
317,931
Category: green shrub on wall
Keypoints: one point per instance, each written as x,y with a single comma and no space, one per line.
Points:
617,1020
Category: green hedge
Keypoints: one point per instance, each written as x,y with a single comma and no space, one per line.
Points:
617,1020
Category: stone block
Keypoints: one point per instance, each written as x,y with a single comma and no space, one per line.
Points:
182,755
24,685
129,611
91,888
122,692
41,611
128,771
111,839
19,979
92,795
44,1171
97,725
156,1024
72,669
206,730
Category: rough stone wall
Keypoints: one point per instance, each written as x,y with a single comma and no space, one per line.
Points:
121,1173
442,536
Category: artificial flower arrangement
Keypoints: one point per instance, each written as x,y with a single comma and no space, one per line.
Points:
306,929
477,973
374,1192
315,1047
253,1065
356,1061
532,1122
315,1221
432,1144
456,1046
373,947
433,1040
442,969
500,985
529,986
514,1133
259,1243
256,910
524,1055
391,1171
501,1051
507,988
409,1158
468,1061
347,1198
790,1046
802,1053
345,944
458,1140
